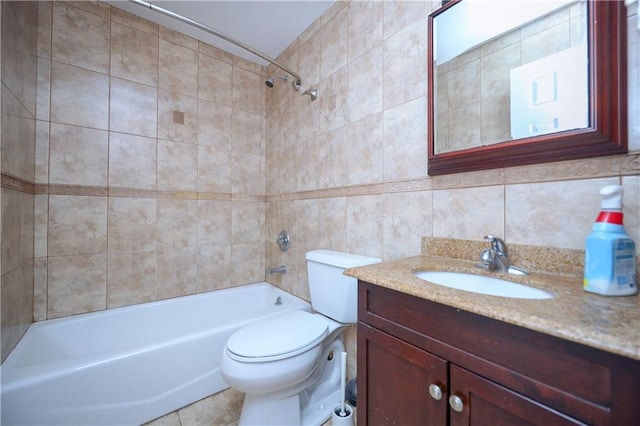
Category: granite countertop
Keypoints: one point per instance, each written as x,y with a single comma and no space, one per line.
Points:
608,323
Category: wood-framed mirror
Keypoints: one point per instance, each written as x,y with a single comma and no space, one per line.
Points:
463,135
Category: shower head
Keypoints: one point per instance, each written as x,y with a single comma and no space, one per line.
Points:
270,81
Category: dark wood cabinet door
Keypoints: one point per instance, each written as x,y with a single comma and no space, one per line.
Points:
394,379
483,402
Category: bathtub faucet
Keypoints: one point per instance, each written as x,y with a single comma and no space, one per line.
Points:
279,270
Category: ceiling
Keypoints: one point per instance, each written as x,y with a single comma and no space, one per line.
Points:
267,26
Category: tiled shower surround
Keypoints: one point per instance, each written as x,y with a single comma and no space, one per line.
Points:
159,166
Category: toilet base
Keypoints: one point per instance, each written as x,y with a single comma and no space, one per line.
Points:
311,406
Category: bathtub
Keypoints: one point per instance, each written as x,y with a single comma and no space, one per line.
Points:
130,365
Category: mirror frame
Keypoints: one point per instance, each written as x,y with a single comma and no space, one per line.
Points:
607,132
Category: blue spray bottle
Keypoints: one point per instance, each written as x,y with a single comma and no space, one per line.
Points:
610,254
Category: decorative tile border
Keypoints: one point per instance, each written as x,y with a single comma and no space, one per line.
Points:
612,166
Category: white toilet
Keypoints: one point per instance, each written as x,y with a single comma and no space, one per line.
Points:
289,365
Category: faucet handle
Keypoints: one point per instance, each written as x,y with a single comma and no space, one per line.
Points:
496,244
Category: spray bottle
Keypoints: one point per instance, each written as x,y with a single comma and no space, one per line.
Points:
610,254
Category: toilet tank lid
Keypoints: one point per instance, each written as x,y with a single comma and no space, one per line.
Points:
340,259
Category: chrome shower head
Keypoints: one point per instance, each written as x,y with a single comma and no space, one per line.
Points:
271,81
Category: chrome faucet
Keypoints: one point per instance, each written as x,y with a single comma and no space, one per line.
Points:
278,270
497,258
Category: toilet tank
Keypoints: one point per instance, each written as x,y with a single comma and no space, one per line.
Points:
333,294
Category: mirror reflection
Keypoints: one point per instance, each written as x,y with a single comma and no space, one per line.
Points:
509,70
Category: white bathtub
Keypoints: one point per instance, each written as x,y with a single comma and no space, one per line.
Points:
129,365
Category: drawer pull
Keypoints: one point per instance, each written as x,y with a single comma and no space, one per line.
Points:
455,402
435,391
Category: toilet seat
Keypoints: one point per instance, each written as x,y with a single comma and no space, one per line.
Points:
281,336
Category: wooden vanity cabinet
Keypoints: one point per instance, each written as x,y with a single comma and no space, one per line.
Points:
415,355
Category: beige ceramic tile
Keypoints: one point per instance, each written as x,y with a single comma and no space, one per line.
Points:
177,166
214,125
214,169
214,52
464,126
309,61
134,54
365,85
131,278
133,21
42,152
14,234
364,151
17,294
41,223
556,214
79,97
246,132
43,90
78,156
404,71
215,81
177,117
469,213
333,102
132,161
18,138
178,69
77,225
545,43
80,38
404,136
248,222
399,14
364,225
76,284
331,158
214,267
45,10
19,47
220,409
131,224
178,38
404,217
245,95
247,263
461,93
171,419
95,7
330,213
214,222
177,272
631,207
333,44
133,108
495,71
247,176
364,28
177,222
40,288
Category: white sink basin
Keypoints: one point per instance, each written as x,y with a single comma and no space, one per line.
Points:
483,285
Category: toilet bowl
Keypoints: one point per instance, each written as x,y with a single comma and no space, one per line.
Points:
288,365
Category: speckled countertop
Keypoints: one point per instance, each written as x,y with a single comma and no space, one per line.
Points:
608,323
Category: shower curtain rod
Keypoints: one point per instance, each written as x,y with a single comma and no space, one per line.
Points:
223,36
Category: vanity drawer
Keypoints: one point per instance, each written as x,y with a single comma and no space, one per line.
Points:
583,382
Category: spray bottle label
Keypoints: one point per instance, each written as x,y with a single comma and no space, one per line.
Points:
624,265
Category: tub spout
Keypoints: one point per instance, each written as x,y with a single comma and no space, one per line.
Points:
279,270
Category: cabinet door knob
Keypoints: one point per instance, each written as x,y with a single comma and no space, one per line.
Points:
435,391
455,402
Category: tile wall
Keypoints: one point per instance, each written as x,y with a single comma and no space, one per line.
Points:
349,171
150,163
18,100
